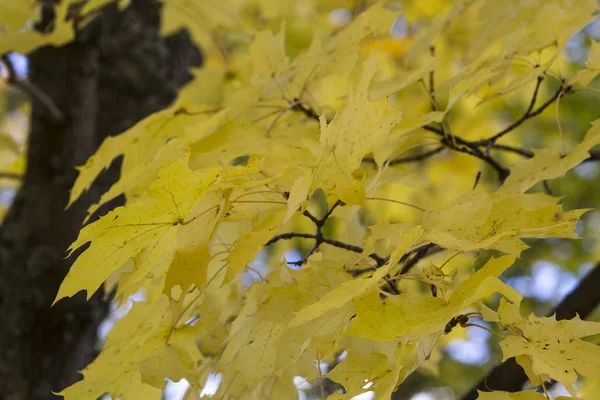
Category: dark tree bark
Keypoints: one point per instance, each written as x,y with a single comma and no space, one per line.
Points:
116,72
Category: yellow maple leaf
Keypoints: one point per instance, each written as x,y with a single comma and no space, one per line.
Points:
358,129
16,35
136,389
342,295
410,317
371,24
585,76
146,229
554,347
247,246
498,221
136,337
146,148
358,371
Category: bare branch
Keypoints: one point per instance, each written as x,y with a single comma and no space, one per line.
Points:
512,149
11,175
308,215
471,148
416,157
320,239
528,114
434,104
437,131
26,86
304,109
409,159
290,235
411,258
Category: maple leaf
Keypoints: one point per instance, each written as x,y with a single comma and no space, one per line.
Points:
17,35
410,317
356,130
147,229
349,290
554,348
585,76
126,357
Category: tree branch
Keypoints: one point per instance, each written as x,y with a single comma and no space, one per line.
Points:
434,104
36,93
409,159
11,175
290,235
512,149
332,242
471,148
416,157
413,257
528,114
509,376
308,215
320,239
297,105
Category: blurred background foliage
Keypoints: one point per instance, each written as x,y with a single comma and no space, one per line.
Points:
14,125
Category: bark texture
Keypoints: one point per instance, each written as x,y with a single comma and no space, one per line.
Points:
116,72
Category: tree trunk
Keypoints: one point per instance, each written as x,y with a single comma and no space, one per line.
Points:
116,72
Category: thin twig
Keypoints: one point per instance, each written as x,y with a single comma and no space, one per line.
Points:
528,115
477,178
409,159
560,130
319,223
290,235
434,104
512,149
547,187
416,157
29,88
411,258
304,109
356,249
332,242
329,212
433,129
320,376
308,215
471,149
397,202
11,175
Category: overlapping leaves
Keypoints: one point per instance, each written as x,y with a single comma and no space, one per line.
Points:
214,179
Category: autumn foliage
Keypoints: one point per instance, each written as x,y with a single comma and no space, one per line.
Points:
379,156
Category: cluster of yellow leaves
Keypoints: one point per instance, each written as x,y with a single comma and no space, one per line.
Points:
257,138
545,348
17,19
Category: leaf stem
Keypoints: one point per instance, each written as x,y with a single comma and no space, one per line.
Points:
398,202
